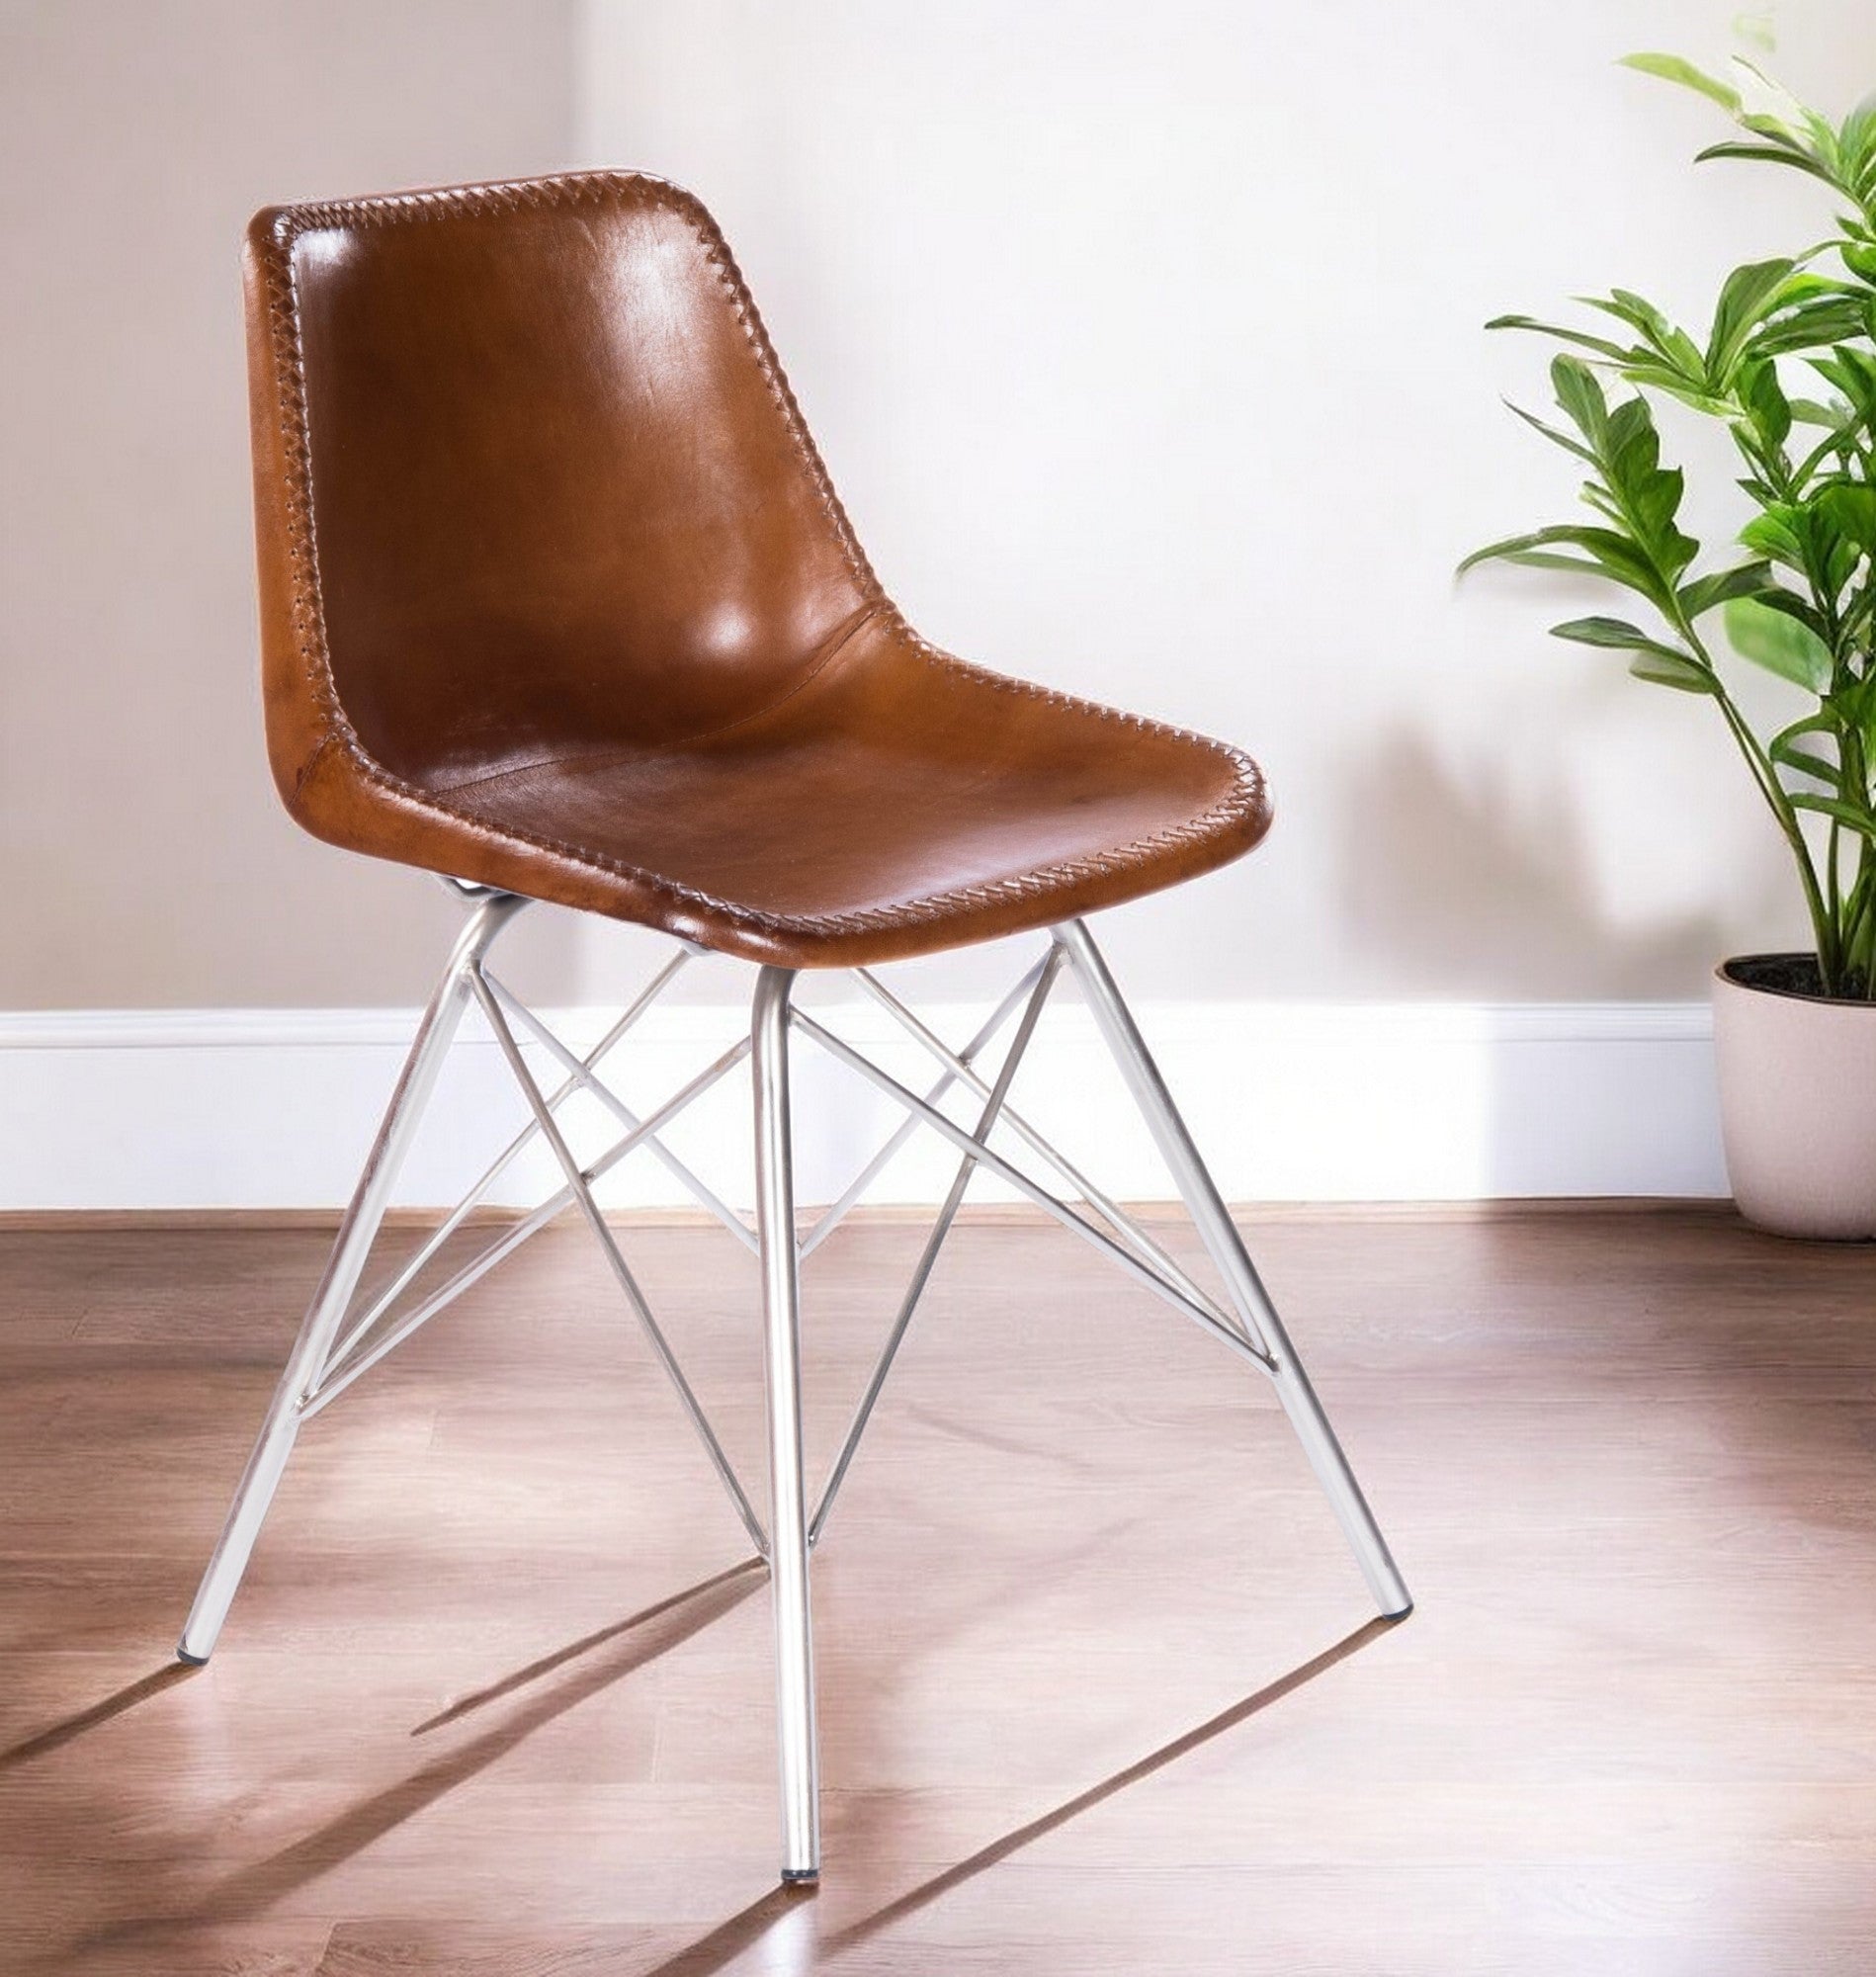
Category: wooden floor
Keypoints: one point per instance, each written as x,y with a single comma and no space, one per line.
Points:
1100,1691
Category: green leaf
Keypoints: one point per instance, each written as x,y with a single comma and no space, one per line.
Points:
1804,764
1615,633
1777,598
1744,580
1657,503
1672,68
1607,553
1551,433
1766,154
1819,130
1622,561
1807,285
1774,533
1814,325
1852,506
1782,135
1676,350
1599,344
1580,396
1631,439
1853,707
1546,560
1658,377
1518,546
1778,642
1536,540
1749,295
1853,373
1805,536
1822,135
1766,400
1671,670
1856,141
1652,321
1858,820
1642,496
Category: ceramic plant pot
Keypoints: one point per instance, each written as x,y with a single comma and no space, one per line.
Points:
1797,1100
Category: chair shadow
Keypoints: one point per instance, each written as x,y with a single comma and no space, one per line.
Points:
583,1646
127,1697
740,1932
655,1631
999,1850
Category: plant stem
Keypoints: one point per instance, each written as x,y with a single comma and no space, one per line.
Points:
1823,924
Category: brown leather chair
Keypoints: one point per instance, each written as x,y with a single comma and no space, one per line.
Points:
557,603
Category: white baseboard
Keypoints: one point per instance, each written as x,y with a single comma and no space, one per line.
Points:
222,1108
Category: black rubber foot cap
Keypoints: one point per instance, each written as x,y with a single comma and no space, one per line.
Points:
800,1877
190,1661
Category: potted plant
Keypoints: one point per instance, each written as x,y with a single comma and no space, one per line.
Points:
1787,367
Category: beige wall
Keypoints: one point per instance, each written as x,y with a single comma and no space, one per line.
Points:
1144,343
146,860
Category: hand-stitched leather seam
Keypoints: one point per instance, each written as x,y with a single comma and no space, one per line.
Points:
312,761
1241,806
284,337
1238,808
579,188
742,304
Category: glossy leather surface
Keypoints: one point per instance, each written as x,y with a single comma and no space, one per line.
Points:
555,596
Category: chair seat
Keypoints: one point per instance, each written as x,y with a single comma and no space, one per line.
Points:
557,597
898,803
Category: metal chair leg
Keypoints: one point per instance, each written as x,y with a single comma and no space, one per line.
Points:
1227,1252
255,1491
788,1502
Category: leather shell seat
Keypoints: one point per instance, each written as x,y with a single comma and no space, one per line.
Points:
557,597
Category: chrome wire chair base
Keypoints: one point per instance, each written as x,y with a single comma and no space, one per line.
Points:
344,1336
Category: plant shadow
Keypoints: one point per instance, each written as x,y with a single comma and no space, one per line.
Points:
1472,892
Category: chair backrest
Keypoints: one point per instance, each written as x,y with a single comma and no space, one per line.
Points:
529,481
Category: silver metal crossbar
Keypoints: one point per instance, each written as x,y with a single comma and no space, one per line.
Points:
946,1214
335,1379
1089,1232
383,1299
331,1384
1109,1210
582,1075
621,1269
831,1218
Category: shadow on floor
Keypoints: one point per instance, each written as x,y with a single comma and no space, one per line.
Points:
765,1917
127,1697
584,1646
742,1932
634,1643
999,1850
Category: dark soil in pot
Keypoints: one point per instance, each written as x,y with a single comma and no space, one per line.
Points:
1783,975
